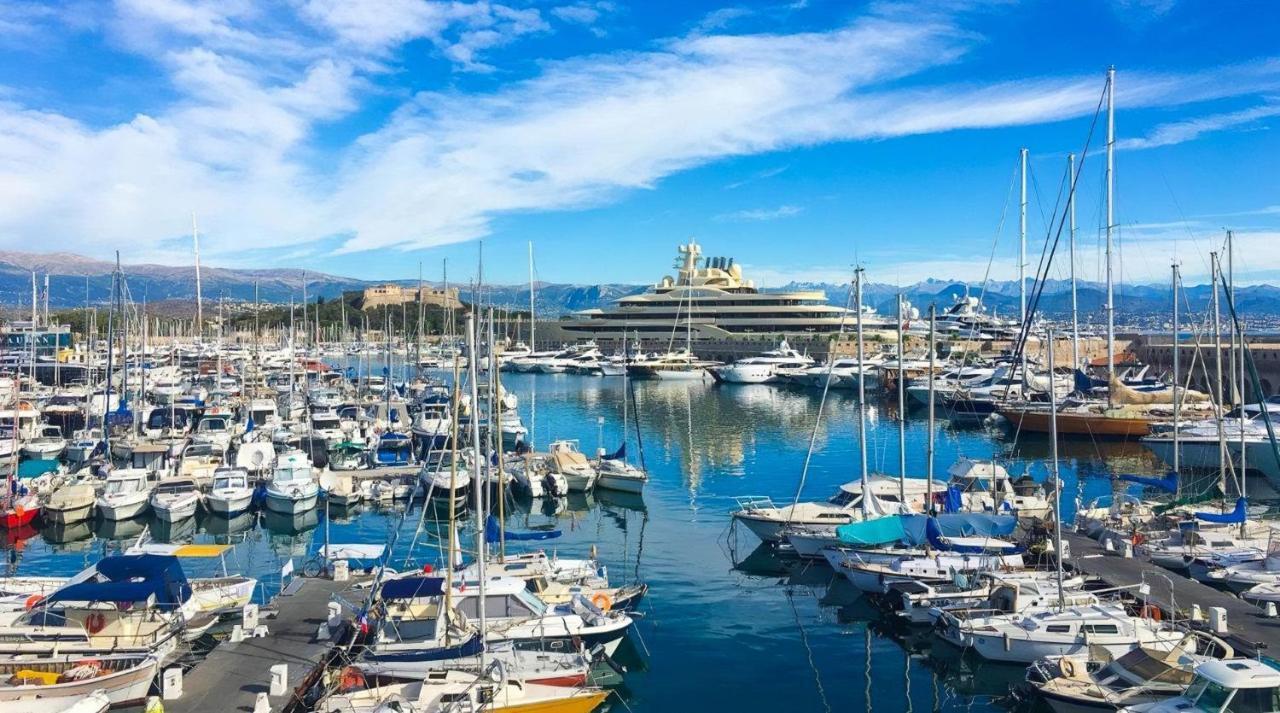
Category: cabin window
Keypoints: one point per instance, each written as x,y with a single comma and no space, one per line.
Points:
1255,700
1101,629
1213,697
1058,628
842,498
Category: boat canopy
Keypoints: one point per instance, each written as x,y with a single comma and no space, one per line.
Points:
912,530
413,587
131,578
1238,515
939,542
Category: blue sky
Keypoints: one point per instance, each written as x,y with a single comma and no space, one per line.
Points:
366,138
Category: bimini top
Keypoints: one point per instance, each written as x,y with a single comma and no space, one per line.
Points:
1239,673
130,578
413,587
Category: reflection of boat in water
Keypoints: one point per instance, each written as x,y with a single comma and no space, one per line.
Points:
222,526
284,524
618,499
59,534
344,513
172,532
120,529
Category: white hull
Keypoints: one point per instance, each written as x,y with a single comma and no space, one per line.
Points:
220,504
621,483
288,505
124,510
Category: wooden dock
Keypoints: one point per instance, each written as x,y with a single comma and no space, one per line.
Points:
230,678
1250,630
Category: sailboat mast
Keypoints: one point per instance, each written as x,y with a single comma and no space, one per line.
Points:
1177,399
902,411
477,465
1022,239
1111,184
1075,307
1215,272
1053,473
862,412
195,242
933,351
533,329
1238,330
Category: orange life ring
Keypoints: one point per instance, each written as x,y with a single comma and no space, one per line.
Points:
1152,612
33,600
1139,538
95,622
602,600
352,680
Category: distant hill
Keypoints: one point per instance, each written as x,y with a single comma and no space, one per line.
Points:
71,275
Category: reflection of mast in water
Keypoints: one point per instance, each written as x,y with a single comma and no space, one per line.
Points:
695,470
789,592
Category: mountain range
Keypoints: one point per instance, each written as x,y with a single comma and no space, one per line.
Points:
75,279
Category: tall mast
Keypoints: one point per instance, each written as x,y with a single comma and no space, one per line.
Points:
862,412
1239,331
1022,240
1053,473
1111,183
1215,271
902,411
305,330
1177,399
195,241
533,342
1075,307
933,350
477,466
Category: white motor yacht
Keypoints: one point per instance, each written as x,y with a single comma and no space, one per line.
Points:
1058,632
126,495
231,493
293,489
175,499
47,444
764,368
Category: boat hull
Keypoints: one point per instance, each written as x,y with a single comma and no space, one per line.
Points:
1077,424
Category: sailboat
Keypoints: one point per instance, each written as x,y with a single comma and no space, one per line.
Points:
423,614
1063,630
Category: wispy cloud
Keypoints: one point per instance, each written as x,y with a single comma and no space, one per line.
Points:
761,214
254,89
757,176
1181,131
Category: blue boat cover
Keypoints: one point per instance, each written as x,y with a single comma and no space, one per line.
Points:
618,454
131,578
873,533
36,467
412,587
937,540
912,530
1167,482
1235,516
493,533
953,499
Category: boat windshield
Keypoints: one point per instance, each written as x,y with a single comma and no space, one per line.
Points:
1209,696
1255,700
224,482
842,498
117,487
212,424
325,424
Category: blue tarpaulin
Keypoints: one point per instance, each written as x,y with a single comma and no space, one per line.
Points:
412,587
912,530
952,499
131,578
1167,482
619,454
1235,516
938,541
872,533
494,533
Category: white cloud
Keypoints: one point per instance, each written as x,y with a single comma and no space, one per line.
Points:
238,143
761,214
1181,131
583,13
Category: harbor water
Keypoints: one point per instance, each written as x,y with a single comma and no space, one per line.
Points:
726,624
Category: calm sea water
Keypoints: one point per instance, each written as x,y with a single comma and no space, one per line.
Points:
726,624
